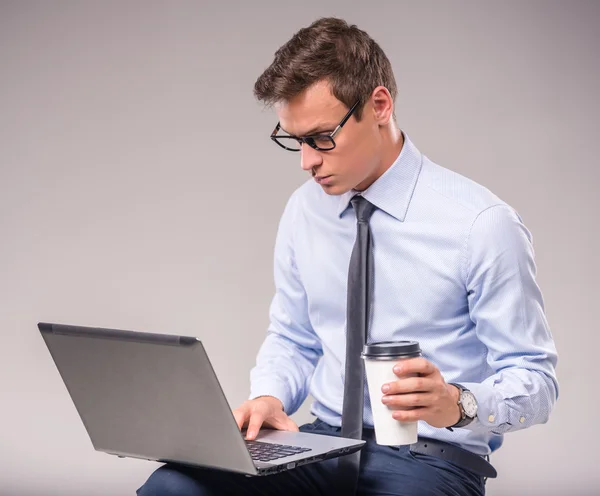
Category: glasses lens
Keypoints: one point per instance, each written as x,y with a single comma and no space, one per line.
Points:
287,143
323,142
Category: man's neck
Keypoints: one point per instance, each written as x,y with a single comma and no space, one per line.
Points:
393,141
392,146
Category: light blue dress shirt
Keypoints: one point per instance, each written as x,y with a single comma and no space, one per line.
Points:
453,269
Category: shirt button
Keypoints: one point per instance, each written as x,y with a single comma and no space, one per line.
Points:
522,419
491,418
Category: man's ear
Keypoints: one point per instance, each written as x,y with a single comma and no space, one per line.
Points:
383,105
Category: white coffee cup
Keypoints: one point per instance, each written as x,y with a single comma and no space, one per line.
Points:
380,359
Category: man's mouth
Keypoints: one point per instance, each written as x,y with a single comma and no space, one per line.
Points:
322,179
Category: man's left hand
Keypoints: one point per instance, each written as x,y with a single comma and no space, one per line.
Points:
427,396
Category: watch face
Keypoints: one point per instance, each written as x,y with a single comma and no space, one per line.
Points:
469,404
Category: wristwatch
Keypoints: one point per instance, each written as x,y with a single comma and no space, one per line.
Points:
467,404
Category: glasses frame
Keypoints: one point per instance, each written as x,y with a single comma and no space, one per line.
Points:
310,140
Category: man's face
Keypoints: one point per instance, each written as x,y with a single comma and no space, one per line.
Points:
355,160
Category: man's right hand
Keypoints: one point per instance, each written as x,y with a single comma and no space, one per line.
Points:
265,410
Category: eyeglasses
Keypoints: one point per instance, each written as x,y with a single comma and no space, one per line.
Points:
323,142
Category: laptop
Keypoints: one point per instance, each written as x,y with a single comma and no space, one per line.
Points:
157,397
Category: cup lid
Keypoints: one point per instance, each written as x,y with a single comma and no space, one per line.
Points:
391,349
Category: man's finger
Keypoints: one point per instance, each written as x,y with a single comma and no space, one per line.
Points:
414,366
256,421
408,385
240,417
408,401
292,426
413,415
281,422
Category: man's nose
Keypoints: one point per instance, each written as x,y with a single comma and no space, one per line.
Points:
309,157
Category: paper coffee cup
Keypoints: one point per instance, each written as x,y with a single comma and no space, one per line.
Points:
380,359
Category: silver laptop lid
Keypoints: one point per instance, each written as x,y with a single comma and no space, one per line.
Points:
138,393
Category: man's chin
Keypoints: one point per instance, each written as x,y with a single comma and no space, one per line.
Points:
335,189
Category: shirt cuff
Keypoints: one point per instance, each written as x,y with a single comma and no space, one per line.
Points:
492,411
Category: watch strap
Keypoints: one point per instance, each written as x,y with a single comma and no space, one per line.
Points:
464,420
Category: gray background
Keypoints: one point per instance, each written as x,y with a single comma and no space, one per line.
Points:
139,190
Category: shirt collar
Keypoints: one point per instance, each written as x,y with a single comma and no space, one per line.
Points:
393,191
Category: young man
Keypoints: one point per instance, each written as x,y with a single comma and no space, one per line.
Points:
451,266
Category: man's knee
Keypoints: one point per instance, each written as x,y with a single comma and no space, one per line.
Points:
169,481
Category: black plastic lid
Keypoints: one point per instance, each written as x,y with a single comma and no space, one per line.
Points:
391,349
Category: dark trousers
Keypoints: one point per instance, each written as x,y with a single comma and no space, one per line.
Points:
384,470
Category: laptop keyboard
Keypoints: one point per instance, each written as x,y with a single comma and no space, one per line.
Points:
266,452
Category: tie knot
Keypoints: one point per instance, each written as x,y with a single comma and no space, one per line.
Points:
363,208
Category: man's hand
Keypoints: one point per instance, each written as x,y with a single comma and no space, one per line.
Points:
426,397
265,410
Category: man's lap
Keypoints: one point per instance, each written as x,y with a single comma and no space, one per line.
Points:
384,470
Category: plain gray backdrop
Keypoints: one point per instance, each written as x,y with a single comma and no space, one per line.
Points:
139,190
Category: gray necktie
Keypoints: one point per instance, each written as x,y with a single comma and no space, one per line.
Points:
360,274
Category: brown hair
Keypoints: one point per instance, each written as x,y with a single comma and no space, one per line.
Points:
329,49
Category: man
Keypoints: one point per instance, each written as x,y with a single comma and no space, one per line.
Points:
451,267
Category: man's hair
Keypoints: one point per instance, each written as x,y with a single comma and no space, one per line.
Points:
329,49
